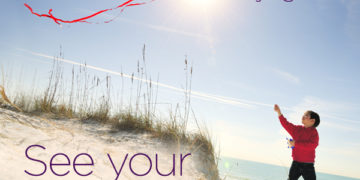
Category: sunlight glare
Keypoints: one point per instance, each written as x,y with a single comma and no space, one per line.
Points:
201,3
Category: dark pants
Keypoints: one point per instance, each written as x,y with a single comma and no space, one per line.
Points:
306,170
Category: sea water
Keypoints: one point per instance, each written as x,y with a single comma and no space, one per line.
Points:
237,169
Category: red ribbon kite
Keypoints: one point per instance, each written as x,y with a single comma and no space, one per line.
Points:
84,19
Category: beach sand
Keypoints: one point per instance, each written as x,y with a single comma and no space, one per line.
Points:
72,137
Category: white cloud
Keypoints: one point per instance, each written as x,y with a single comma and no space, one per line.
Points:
287,76
326,110
195,94
158,28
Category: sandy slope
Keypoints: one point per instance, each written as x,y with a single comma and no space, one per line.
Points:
18,131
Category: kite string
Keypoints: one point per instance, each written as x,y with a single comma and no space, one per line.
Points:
113,18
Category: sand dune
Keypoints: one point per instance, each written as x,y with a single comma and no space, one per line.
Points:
71,137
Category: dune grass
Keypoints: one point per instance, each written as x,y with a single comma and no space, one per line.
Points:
77,101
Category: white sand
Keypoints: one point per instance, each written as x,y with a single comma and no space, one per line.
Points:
18,131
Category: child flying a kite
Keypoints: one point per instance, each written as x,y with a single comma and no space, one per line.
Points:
305,140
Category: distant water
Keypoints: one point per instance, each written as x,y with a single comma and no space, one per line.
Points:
236,169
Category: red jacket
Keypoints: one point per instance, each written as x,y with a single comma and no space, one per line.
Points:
306,140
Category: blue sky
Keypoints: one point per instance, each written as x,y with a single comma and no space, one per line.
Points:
301,55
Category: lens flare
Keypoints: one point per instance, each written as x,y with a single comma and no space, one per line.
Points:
227,165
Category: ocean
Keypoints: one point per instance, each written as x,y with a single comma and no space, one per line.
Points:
237,169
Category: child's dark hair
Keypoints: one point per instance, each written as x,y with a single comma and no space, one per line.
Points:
314,115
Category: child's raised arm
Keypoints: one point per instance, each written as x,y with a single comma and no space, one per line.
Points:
289,127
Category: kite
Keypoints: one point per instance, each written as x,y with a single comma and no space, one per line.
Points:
84,19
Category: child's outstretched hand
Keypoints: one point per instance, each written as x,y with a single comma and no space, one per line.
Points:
277,109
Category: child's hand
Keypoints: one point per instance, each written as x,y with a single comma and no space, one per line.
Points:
292,143
277,109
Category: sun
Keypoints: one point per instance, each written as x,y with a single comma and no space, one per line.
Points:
201,3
